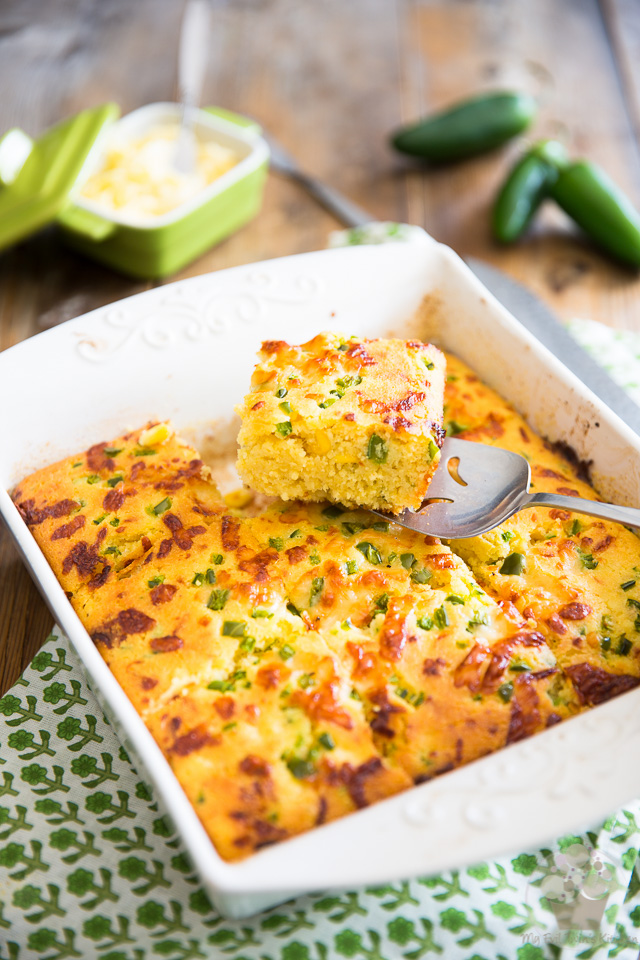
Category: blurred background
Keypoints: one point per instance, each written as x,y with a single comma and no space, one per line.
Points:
330,79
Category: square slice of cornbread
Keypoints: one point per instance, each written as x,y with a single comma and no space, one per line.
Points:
354,421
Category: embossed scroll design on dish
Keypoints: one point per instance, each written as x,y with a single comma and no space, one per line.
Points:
552,764
190,312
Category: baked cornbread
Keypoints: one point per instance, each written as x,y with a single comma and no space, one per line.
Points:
577,578
300,664
98,511
353,421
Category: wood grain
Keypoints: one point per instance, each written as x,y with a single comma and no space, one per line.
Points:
561,52
330,80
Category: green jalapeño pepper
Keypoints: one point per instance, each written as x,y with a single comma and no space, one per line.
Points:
528,184
468,128
593,200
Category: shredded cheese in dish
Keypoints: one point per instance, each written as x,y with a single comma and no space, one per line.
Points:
138,178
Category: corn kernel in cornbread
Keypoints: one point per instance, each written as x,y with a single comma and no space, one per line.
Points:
357,422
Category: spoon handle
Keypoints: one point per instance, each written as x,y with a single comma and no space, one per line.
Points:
343,210
630,516
192,59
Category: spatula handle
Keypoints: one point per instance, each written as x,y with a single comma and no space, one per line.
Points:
630,516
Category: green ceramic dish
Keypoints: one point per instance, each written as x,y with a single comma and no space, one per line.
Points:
176,238
40,183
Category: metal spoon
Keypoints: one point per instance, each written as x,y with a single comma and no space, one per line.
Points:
477,487
192,63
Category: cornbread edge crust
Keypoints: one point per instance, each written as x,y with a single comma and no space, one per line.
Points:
357,422
301,664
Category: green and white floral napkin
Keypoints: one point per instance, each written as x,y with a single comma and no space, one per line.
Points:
618,351
91,868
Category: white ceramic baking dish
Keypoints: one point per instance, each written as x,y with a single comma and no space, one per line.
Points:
185,351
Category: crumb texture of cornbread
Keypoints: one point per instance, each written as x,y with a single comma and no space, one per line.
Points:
576,577
356,422
300,664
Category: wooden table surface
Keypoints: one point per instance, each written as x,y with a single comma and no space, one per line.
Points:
329,80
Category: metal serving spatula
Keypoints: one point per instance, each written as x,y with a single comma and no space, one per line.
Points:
477,487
